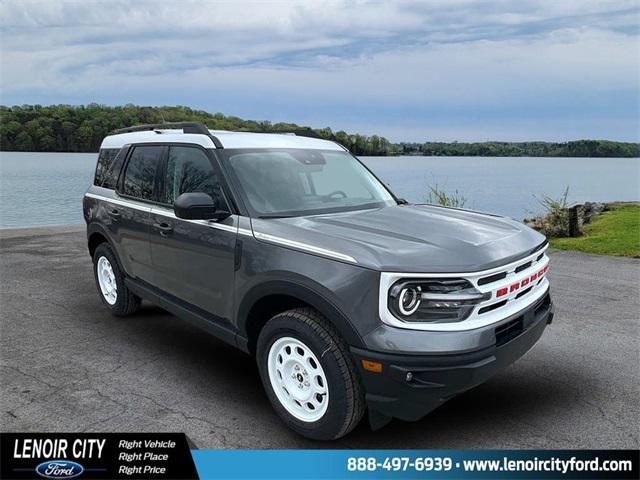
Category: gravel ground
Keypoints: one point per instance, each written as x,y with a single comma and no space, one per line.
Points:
67,365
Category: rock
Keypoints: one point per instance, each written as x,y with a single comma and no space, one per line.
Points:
588,210
553,227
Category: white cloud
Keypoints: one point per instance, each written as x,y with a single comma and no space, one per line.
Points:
301,61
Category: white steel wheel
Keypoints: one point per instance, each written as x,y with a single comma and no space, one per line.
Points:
298,380
107,281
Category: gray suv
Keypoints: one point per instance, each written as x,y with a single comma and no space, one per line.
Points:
289,248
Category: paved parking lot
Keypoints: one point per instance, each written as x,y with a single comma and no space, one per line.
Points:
67,365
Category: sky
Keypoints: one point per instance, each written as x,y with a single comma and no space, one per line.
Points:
408,70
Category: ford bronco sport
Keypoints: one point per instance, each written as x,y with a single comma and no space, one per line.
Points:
289,248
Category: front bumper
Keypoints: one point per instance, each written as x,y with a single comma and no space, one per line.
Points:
433,379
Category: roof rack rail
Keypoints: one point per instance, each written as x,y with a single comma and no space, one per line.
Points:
304,132
309,133
187,127
296,133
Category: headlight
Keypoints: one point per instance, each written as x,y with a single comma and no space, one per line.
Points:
409,300
433,300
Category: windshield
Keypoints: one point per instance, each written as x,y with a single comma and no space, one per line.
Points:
292,182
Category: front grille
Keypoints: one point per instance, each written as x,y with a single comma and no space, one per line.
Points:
492,278
526,265
523,293
493,306
500,275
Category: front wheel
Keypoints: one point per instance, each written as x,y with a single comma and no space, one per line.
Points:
309,376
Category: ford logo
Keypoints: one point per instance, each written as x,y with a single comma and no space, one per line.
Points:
59,469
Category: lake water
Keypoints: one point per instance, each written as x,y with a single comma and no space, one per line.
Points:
38,189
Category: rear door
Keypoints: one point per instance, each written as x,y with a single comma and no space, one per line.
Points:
193,259
136,192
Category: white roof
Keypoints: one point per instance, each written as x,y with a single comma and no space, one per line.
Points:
228,139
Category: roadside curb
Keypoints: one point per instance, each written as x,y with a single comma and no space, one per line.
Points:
8,233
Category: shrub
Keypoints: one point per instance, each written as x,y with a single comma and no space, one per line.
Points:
440,197
556,219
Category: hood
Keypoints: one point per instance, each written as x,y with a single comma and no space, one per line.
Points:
411,238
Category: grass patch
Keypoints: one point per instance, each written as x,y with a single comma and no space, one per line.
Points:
615,232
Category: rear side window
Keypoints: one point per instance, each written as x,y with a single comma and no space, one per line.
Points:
189,170
139,176
106,158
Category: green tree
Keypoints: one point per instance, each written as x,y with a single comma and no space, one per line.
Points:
24,143
66,128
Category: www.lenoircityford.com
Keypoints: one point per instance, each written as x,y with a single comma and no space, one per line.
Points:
558,465
551,464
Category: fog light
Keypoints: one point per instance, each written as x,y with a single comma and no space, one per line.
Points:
409,376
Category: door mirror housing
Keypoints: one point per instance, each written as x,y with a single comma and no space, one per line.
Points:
198,206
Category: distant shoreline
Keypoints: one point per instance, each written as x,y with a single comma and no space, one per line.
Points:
390,155
81,128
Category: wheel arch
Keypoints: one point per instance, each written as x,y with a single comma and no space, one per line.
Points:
96,235
266,300
94,240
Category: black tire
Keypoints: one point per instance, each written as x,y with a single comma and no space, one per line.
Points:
126,302
346,395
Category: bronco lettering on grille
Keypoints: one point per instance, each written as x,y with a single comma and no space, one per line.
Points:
521,283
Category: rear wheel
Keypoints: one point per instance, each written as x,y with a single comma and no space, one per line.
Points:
309,376
110,282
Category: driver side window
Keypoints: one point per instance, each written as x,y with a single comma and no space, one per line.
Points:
189,170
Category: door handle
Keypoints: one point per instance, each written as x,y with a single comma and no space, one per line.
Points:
165,228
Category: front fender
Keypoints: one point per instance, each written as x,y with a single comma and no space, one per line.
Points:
306,291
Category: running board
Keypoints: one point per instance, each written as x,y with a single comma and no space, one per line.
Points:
195,316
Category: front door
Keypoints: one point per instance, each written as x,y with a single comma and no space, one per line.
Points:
193,259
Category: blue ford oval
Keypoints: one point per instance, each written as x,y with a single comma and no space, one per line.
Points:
59,469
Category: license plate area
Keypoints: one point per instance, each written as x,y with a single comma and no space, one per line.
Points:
508,331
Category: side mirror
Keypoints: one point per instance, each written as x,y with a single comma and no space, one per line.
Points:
198,206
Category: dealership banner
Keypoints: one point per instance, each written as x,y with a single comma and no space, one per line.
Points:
172,456
96,455
407,464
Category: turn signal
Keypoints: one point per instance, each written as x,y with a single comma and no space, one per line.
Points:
375,367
